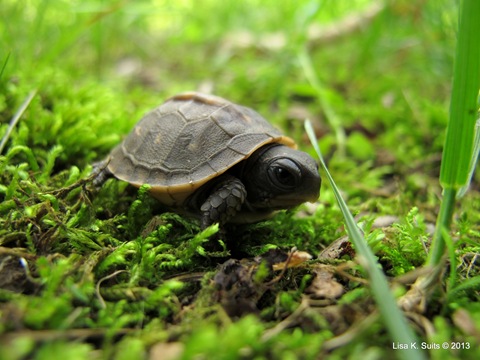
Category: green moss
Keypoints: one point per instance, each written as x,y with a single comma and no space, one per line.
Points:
403,249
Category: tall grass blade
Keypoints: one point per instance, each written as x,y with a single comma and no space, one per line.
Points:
458,153
395,322
459,140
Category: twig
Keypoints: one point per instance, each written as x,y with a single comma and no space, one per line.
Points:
353,332
317,35
321,35
287,322
284,268
69,334
97,287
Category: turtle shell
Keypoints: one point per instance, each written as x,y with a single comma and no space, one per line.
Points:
187,141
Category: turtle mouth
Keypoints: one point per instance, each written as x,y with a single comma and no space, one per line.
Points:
281,201
295,199
284,202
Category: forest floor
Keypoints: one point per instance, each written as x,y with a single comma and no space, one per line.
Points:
109,273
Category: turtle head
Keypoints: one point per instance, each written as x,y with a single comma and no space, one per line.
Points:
280,178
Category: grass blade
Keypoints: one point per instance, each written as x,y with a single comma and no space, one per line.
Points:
4,65
395,322
459,140
473,162
16,118
332,117
459,149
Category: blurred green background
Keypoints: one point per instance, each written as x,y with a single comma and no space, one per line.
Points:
386,79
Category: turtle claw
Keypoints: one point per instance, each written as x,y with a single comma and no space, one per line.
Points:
101,173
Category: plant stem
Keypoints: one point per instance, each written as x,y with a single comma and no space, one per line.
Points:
444,220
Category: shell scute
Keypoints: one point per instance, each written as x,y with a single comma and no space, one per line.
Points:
187,141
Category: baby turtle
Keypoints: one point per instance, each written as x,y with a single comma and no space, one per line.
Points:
208,157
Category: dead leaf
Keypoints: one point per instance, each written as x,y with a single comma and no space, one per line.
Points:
324,284
336,250
166,351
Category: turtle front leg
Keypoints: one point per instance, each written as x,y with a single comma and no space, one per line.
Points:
224,201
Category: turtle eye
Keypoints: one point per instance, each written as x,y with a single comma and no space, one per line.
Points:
284,173
284,176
